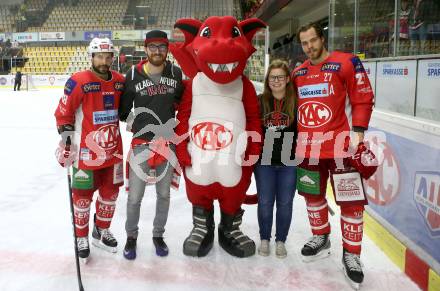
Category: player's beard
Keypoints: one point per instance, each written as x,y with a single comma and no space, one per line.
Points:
102,69
316,53
156,59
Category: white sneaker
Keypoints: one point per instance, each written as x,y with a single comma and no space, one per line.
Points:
264,248
280,250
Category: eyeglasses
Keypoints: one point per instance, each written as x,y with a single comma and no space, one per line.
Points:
277,78
153,48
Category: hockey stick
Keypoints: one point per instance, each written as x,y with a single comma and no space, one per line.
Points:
330,210
69,180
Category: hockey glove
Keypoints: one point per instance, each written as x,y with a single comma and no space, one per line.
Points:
364,161
66,152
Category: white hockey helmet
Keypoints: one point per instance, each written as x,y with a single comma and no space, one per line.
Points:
101,45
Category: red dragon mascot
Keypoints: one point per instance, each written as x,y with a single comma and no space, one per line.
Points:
219,113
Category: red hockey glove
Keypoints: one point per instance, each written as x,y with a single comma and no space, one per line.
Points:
364,161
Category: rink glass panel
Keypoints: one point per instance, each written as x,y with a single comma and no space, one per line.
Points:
368,27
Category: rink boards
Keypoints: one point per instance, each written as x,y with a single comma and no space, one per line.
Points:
404,197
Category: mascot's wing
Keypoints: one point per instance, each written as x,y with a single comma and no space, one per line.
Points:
182,51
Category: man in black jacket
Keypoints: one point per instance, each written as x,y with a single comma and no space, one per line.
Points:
154,87
17,81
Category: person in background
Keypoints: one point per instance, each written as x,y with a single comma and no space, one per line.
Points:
17,81
418,25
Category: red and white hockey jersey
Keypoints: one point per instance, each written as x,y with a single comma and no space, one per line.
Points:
91,105
333,97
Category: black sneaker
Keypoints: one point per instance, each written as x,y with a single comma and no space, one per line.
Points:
161,246
104,239
130,248
316,248
352,268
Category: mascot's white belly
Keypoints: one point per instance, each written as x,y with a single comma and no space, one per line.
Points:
217,128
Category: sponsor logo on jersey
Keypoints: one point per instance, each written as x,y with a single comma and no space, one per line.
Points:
107,136
119,86
314,114
82,203
210,136
331,67
84,154
390,71
69,86
91,87
357,64
312,91
109,102
300,72
104,117
313,76
433,70
427,198
348,187
308,181
81,175
82,179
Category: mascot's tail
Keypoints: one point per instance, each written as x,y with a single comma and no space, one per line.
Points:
251,199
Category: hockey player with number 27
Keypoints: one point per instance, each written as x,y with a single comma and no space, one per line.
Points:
335,102
87,115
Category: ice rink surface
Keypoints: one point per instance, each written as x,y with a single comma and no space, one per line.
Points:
36,244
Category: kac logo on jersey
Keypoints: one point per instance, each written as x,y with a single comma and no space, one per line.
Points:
300,72
314,114
107,137
69,86
104,117
427,199
312,91
331,67
91,87
210,136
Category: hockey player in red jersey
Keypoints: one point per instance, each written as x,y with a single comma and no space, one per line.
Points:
335,102
87,115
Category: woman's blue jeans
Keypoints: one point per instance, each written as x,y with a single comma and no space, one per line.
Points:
275,183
